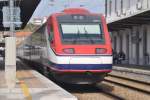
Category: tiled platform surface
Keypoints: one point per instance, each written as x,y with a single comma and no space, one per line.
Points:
31,85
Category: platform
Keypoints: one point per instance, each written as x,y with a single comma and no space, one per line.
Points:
133,68
31,85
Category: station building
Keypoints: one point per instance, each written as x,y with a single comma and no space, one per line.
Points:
129,23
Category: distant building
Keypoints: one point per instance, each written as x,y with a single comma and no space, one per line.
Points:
129,24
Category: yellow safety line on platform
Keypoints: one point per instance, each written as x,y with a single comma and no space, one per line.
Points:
25,90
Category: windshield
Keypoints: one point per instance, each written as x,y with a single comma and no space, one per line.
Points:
82,33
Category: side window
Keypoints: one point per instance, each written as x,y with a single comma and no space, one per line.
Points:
43,39
51,35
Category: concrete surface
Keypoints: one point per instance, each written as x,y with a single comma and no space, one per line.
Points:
31,85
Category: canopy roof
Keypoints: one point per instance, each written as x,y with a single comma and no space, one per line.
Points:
129,21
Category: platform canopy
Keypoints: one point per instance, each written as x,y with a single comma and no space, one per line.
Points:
27,8
137,19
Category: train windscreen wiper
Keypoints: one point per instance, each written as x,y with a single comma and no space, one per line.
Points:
88,37
78,37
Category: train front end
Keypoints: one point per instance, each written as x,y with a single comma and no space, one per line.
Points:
80,47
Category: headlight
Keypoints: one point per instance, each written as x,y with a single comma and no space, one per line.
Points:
69,51
100,51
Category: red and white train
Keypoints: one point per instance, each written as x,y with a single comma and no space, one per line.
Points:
74,46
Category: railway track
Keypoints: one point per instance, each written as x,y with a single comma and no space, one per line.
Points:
132,75
129,83
114,88
128,89
91,92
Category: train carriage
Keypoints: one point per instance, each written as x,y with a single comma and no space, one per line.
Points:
74,45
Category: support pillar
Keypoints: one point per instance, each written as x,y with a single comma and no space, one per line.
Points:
10,61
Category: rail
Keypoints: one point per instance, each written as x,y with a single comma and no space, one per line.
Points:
129,83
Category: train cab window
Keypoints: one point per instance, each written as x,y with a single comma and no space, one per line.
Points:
82,33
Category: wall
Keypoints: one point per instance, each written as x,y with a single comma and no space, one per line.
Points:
135,47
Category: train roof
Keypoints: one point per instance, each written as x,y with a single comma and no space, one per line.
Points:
75,10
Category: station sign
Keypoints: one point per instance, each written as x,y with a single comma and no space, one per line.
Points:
6,17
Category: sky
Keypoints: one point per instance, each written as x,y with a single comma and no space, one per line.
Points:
46,7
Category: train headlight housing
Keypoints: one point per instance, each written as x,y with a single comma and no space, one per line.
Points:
100,51
69,51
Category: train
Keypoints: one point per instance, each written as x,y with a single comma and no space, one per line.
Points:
74,46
